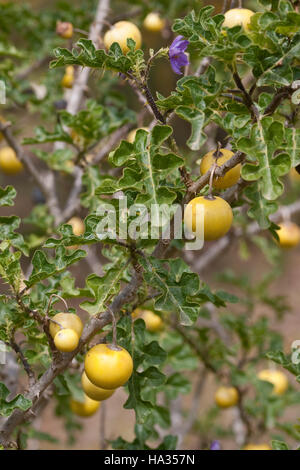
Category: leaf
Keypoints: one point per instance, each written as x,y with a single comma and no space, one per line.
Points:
260,208
169,443
191,102
96,121
179,288
90,57
7,196
292,137
196,118
206,38
7,407
43,268
147,169
8,225
102,288
42,136
280,358
266,137
60,160
279,445
10,268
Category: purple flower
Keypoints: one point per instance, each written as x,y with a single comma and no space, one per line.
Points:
178,58
215,445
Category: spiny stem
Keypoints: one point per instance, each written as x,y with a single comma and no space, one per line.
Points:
152,104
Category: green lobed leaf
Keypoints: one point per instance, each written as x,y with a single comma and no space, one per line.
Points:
7,407
43,268
266,138
7,195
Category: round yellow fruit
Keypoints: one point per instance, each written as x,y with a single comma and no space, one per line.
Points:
136,312
225,397
64,29
257,447
289,234
131,136
66,340
94,392
230,178
85,409
67,81
64,320
77,226
120,32
154,22
78,229
276,378
108,366
9,162
70,70
153,321
217,217
294,175
238,16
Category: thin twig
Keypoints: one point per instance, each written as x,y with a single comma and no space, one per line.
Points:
82,77
203,66
19,352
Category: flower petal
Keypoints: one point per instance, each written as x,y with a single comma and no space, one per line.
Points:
175,67
183,45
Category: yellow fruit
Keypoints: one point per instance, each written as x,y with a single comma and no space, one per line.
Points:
257,447
77,226
108,366
78,229
230,178
85,409
70,70
64,29
132,134
9,162
289,234
67,81
217,217
276,378
154,23
66,320
120,32
66,340
153,321
238,16
94,392
225,397
294,175
136,312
